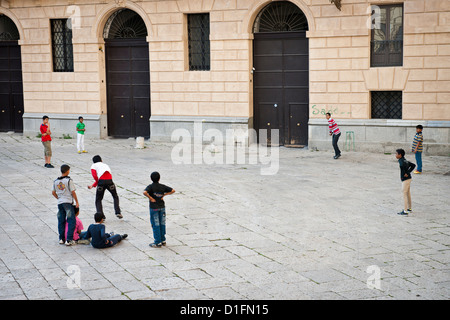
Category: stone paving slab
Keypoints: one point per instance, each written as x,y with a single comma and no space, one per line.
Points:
311,231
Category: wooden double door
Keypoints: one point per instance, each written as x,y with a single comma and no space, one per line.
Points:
128,87
281,85
11,87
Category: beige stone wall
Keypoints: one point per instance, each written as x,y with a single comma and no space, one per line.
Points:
341,77
46,91
222,91
340,73
427,58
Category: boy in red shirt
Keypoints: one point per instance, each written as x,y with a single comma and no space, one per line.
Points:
46,141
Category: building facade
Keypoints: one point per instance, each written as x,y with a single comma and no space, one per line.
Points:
146,68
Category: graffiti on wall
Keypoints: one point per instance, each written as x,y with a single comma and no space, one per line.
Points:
315,110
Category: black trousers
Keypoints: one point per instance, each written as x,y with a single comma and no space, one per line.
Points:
337,152
111,187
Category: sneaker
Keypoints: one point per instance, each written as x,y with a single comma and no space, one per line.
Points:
49,165
403,213
119,215
124,236
83,241
155,245
70,243
79,152
61,241
335,157
409,210
417,172
84,151
163,243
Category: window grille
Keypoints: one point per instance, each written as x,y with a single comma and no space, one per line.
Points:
280,16
8,30
125,24
386,104
387,36
62,45
198,42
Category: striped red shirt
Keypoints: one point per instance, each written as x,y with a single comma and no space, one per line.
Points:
332,125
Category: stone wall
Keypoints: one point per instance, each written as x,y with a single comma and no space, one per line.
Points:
340,74
342,79
381,135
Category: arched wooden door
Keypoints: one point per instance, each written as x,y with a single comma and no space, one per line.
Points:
11,87
127,75
280,78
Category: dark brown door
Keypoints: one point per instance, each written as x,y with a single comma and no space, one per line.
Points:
128,87
11,88
281,85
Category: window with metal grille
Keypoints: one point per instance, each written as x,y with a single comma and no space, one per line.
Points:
387,36
280,16
8,30
62,45
386,104
125,24
198,42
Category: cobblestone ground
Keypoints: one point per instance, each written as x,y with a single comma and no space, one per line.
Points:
318,229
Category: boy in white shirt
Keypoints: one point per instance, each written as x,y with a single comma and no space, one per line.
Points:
101,173
64,192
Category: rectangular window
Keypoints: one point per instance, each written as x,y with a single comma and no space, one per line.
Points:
386,104
198,41
62,49
387,36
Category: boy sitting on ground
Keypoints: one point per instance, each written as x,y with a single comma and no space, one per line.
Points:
99,238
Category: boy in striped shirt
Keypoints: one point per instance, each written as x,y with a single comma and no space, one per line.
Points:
334,130
417,148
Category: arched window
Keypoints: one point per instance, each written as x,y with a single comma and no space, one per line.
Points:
8,30
125,24
280,16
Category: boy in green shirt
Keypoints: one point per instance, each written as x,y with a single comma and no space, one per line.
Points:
80,135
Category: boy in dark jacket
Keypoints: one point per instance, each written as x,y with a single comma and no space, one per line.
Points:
155,192
406,168
99,238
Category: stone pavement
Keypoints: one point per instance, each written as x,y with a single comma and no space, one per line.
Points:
318,229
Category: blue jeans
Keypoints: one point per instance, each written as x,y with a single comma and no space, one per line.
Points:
66,212
112,241
158,221
419,161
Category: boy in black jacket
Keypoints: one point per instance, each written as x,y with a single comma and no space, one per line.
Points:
99,238
156,192
406,168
